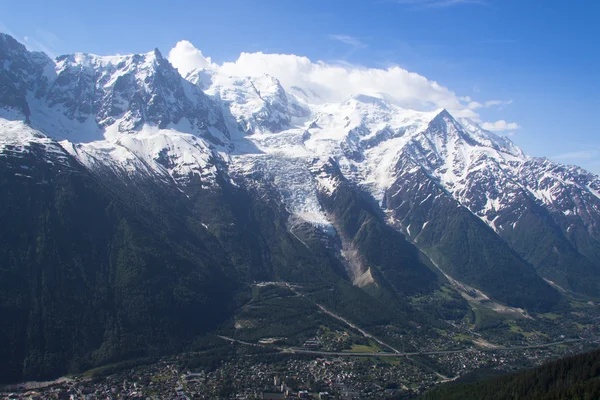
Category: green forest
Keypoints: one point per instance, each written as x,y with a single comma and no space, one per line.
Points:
571,378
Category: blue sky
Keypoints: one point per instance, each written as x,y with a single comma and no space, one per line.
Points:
539,58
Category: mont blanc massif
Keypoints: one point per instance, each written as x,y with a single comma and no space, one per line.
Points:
142,212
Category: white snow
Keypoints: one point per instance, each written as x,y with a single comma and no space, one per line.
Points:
593,191
18,138
286,138
151,151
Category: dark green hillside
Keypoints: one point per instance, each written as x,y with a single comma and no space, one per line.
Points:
466,248
538,239
255,232
398,263
473,253
572,378
95,269
88,278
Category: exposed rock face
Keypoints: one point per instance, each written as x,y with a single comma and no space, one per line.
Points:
242,179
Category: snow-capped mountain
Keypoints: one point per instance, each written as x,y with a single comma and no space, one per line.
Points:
146,204
135,116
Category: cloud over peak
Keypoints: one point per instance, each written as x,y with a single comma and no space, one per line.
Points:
334,82
186,58
500,126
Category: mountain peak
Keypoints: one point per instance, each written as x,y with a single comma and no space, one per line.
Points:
255,172
8,41
444,122
442,112
119,61
443,115
157,54
12,50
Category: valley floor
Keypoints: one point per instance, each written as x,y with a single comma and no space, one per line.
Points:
245,372
333,355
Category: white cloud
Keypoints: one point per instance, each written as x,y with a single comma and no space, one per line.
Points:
349,40
473,105
336,82
185,57
494,103
500,126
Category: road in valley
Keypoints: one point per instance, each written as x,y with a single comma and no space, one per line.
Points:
295,350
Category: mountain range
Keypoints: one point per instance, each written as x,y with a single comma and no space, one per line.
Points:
139,206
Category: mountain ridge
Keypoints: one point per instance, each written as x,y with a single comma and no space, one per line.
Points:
267,183
366,136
